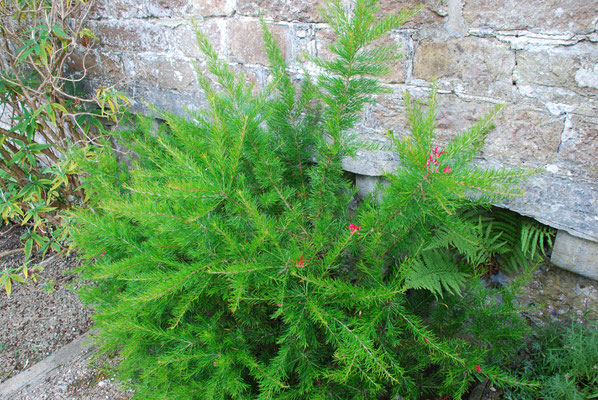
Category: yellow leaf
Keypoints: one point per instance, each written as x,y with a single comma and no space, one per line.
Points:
8,286
26,272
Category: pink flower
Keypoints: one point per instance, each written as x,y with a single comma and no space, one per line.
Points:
103,253
214,364
354,228
478,368
437,152
447,170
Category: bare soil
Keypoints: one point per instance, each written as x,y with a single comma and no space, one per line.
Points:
41,317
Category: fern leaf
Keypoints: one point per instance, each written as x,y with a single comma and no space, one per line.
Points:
435,272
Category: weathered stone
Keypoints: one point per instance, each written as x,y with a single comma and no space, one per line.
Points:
372,162
398,68
367,185
100,9
84,61
587,77
246,41
560,202
165,8
175,101
575,254
113,68
578,16
211,8
470,65
133,35
185,41
579,146
282,10
432,13
524,135
569,67
165,73
325,37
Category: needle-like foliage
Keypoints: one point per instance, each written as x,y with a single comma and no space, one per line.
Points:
227,265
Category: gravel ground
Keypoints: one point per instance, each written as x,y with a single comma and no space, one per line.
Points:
38,319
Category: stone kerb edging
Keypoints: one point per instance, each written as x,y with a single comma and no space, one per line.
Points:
39,372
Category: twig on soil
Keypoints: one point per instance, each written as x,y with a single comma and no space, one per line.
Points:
7,231
9,252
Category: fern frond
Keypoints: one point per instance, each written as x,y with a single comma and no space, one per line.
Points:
436,272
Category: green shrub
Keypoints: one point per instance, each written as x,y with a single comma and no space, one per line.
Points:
564,359
43,117
227,264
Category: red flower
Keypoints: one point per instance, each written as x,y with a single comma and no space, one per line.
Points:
354,228
447,170
103,253
478,368
299,262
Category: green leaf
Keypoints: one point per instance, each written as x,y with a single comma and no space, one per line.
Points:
58,31
28,248
17,278
24,54
60,107
8,285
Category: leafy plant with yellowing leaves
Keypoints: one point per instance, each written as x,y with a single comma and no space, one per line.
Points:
43,117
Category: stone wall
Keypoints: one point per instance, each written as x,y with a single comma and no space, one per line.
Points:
538,58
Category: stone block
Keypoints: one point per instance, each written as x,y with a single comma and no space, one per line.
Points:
472,65
575,254
166,8
367,185
246,43
524,135
83,59
210,8
282,10
165,72
561,202
141,9
576,16
185,42
570,67
578,150
133,35
113,68
432,14
371,162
